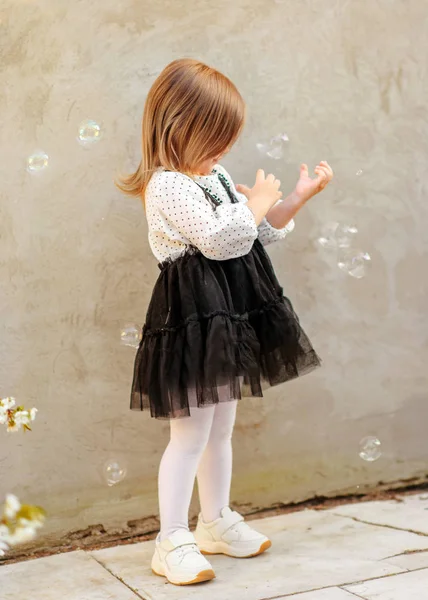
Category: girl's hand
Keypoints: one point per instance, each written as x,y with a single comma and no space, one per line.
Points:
306,187
262,196
266,189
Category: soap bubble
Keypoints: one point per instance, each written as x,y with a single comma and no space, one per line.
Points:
89,132
344,235
130,335
38,161
114,471
354,262
337,235
327,239
370,449
275,147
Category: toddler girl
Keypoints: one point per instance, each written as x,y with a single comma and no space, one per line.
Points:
218,326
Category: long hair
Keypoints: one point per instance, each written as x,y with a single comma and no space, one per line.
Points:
192,113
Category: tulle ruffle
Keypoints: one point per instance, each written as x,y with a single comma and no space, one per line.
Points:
216,325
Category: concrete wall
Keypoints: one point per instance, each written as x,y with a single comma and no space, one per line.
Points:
347,82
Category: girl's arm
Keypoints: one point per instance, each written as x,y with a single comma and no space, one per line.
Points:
280,214
274,226
228,232
266,233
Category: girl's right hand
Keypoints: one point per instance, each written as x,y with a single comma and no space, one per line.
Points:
266,189
262,196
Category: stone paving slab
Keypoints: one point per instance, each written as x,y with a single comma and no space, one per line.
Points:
409,586
71,576
410,513
311,549
316,555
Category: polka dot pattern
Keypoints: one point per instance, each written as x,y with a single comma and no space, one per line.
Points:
179,215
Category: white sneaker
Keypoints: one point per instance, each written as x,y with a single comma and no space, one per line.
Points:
179,560
230,535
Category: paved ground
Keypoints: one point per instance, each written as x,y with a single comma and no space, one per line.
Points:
373,550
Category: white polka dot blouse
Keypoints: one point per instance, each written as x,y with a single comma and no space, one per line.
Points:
179,215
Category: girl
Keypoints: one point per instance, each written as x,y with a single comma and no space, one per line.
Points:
218,325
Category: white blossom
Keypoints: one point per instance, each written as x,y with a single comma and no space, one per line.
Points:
36,521
4,538
16,529
3,547
7,403
4,532
15,418
11,506
21,417
21,535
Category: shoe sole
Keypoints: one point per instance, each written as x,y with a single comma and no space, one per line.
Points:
212,548
206,575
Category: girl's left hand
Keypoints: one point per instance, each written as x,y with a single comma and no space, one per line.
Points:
306,187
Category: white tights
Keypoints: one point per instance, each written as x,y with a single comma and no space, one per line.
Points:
200,444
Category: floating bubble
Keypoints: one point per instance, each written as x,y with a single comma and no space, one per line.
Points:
370,449
337,235
344,235
130,335
327,239
89,132
114,471
275,147
354,262
38,161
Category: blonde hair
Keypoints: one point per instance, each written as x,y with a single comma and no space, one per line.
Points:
192,113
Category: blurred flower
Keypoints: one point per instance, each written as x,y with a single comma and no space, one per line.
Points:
3,547
18,522
15,418
11,506
4,531
21,418
22,534
7,403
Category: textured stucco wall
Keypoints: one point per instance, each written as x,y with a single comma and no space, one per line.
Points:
347,81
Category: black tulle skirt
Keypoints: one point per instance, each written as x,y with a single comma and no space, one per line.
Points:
216,330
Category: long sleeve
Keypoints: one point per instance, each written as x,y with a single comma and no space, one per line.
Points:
178,208
267,234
